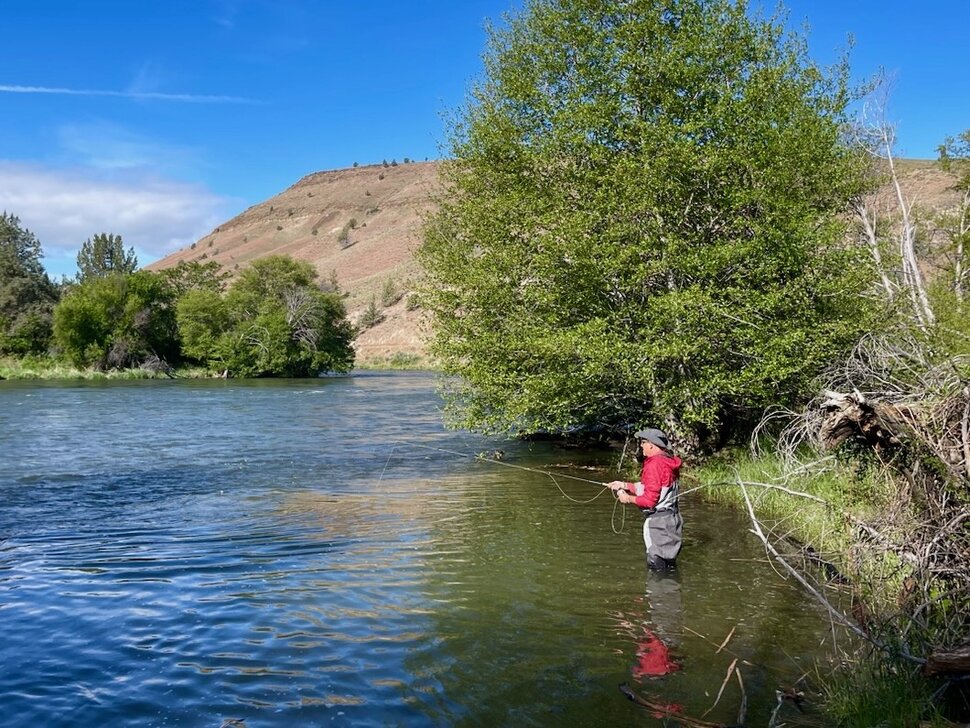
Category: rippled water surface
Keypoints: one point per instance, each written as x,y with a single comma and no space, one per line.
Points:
324,552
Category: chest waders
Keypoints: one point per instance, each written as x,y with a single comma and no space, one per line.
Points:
663,531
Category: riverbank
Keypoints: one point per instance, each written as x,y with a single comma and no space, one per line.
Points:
32,368
44,368
834,522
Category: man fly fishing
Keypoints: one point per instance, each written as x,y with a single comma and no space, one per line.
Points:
656,495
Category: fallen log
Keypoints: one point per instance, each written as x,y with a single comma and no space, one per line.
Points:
948,662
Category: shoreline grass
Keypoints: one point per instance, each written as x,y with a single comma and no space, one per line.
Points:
45,369
399,362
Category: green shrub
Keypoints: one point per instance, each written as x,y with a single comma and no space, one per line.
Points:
390,294
371,316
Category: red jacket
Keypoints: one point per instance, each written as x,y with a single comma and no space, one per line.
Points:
658,482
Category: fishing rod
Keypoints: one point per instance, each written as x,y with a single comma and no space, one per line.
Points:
480,457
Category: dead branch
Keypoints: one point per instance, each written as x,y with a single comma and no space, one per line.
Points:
726,640
835,613
710,641
665,710
743,710
724,683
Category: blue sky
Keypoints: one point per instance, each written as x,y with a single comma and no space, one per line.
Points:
159,120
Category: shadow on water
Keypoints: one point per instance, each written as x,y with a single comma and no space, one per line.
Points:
300,553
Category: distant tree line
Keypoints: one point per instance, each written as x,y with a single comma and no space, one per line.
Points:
275,319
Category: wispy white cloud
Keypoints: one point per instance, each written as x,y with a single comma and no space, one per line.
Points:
108,146
64,208
131,94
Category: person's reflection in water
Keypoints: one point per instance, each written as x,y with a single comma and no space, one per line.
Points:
655,635
664,628
657,632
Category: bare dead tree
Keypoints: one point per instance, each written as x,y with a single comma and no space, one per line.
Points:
304,316
955,157
878,138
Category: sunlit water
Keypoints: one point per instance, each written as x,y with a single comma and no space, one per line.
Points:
305,553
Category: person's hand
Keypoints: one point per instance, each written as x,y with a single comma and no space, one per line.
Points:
625,497
616,485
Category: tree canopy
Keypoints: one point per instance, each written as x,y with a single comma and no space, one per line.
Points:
642,220
273,321
27,295
103,256
118,321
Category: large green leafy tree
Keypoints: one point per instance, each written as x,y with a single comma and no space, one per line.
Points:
104,255
117,321
642,221
273,321
27,295
192,275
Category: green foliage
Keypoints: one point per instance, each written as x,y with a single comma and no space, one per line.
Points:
192,275
955,157
877,692
27,295
371,316
399,360
343,237
949,337
117,321
642,221
390,293
104,255
273,321
202,317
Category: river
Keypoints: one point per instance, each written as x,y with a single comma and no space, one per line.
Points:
325,552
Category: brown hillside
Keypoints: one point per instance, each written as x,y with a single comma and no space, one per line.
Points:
360,225
308,220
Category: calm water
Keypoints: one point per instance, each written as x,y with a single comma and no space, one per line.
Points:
284,553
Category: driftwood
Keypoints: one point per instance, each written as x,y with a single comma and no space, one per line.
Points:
951,662
890,427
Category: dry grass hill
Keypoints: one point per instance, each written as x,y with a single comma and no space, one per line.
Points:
361,226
